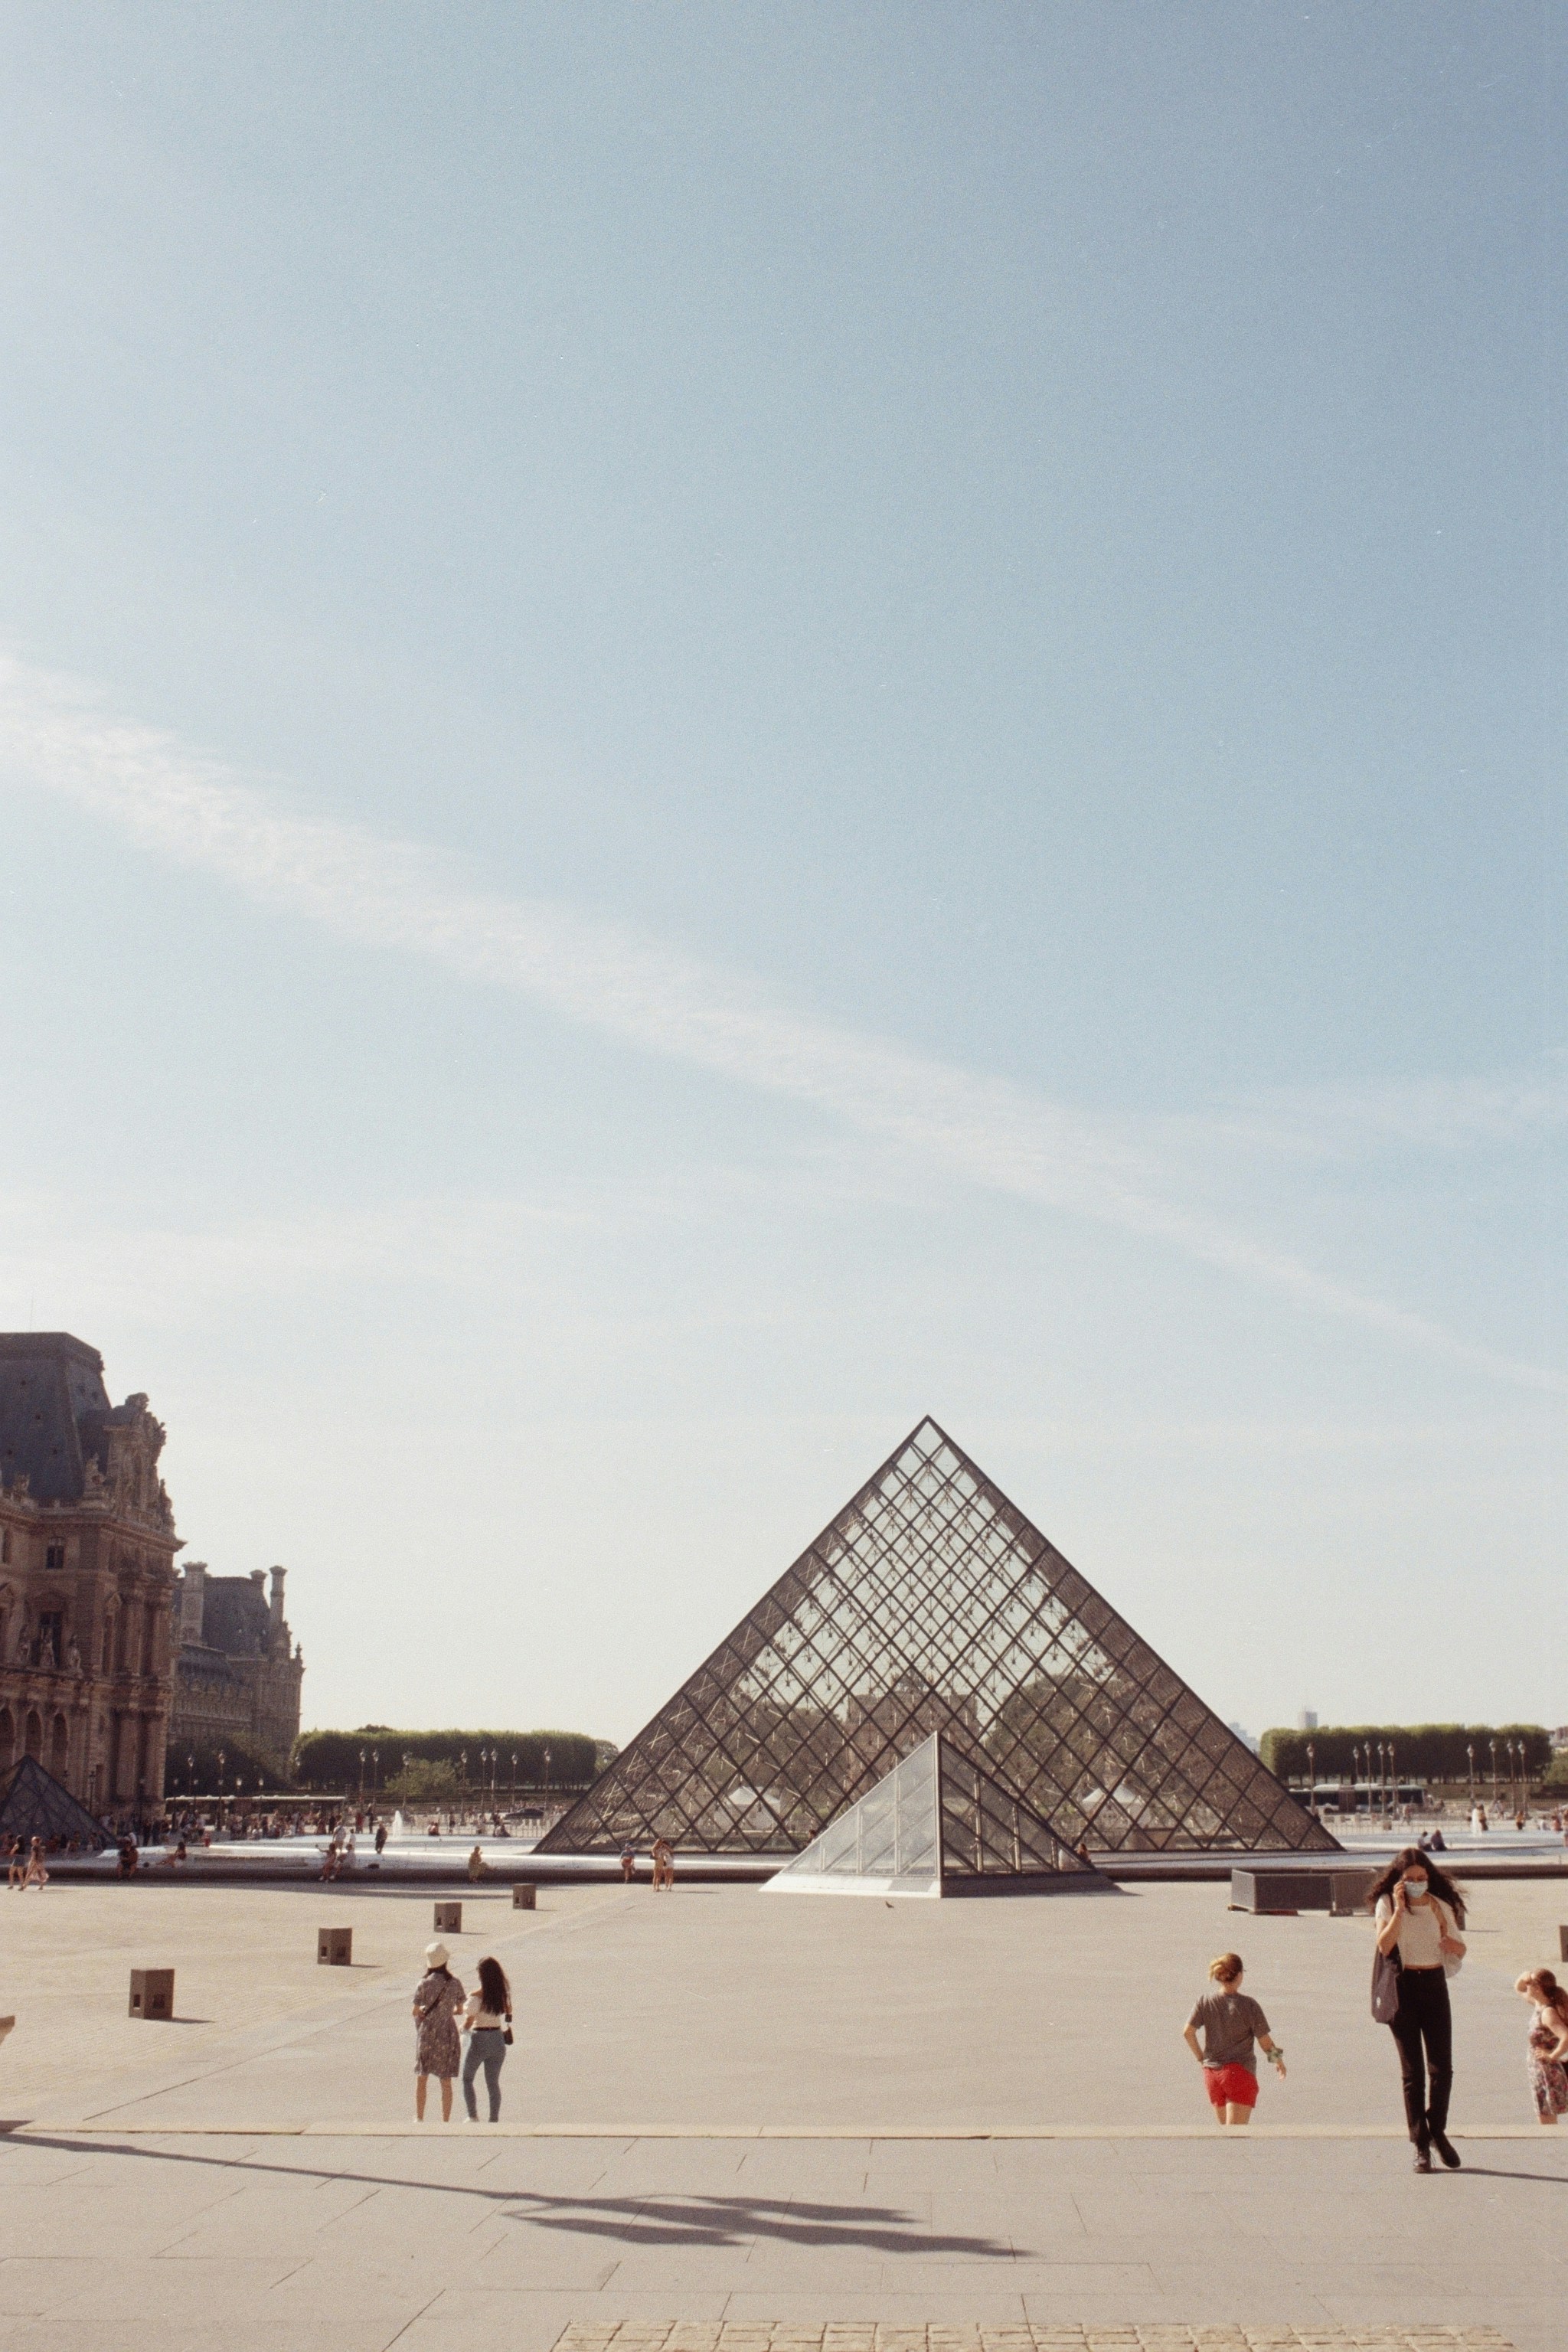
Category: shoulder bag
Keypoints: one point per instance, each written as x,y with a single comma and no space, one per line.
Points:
1385,1984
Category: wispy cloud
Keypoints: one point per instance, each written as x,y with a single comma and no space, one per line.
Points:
607,976
1424,1115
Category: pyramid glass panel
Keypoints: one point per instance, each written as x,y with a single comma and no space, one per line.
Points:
939,1824
932,1605
34,1805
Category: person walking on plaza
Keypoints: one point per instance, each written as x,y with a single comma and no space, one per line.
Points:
487,2022
1230,2021
1547,2048
663,1864
1419,1913
436,2001
36,1874
628,1864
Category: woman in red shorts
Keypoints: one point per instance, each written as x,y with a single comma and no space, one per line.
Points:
1230,2021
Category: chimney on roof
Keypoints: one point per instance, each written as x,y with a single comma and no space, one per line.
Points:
193,1599
274,1608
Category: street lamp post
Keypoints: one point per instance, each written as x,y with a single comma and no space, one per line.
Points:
1492,1745
1470,1766
1392,1782
1311,1778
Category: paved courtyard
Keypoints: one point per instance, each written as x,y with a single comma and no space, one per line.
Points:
725,2107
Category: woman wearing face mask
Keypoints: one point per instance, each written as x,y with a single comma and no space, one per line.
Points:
1419,1913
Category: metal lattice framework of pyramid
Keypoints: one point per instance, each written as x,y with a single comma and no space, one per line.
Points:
932,1604
937,1824
34,1805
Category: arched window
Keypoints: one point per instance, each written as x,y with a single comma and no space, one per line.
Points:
59,1748
33,1731
8,1739
110,1616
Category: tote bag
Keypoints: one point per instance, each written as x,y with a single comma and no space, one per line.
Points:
1385,1986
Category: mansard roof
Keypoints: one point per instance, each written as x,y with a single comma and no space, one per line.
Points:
235,1617
51,1392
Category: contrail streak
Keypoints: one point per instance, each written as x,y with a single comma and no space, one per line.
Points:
393,894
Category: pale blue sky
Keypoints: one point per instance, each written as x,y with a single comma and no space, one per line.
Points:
728,722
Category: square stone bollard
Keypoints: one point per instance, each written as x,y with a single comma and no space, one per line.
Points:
334,1948
152,1992
448,1919
523,1898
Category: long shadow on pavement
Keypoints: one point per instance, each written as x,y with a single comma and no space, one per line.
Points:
652,2219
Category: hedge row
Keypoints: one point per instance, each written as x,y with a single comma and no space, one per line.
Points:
328,1760
1421,1751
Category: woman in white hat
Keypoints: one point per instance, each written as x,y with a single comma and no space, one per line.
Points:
436,2050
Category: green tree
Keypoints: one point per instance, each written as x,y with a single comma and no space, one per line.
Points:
422,1782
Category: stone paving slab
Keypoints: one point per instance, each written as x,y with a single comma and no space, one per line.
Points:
461,2128
287,2244
1156,2335
715,2011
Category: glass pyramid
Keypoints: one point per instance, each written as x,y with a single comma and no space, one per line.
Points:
34,1805
932,1604
936,1825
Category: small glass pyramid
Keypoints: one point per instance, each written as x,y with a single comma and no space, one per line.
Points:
34,1805
936,1825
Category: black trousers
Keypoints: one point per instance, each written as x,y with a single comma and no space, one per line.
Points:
1423,2017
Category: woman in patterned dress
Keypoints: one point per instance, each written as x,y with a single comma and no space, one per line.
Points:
1547,2048
436,2050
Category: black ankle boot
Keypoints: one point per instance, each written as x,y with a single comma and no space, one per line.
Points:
1445,2149
1423,2160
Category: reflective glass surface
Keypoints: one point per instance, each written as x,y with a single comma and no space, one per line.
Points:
932,1604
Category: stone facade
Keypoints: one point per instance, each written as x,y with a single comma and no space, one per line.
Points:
87,1575
237,1672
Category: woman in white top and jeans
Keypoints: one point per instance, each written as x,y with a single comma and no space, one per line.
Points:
1419,1913
487,2022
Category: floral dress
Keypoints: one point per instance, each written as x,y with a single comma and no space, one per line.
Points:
437,2002
1548,2076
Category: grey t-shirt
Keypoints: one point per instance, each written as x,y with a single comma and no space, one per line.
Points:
1227,2022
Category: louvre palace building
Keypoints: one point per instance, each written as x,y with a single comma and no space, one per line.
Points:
106,1654
87,1575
